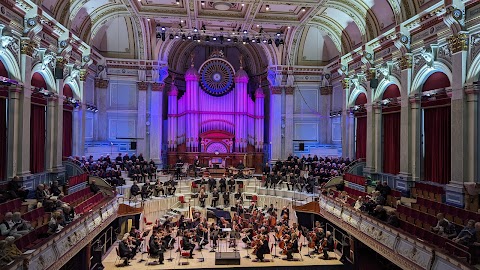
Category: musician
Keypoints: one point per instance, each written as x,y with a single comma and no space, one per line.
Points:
300,183
215,197
171,187
196,165
253,206
182,223
156,247
268,179
146,190
125,251
240,166
231,184
292,246
248,234
285,211
289,181
214,233
159,188
178,165
274,180
134,189
202,235
320,237
271,209
329,245
234,234
212,183
266,169
262,247
223,184
135,237
296,171
201,198
226,199
187,244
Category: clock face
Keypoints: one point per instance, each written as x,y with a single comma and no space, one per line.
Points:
216,77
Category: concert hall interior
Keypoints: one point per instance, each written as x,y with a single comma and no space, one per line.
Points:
191,134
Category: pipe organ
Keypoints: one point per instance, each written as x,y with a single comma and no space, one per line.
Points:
216,115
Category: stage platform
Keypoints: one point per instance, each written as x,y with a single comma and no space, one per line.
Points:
209,263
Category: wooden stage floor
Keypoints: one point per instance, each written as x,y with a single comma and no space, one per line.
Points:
313,262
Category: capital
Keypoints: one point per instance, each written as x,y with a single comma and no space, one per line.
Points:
158,86
142,86
345,83
276,90
458,43
83,75
406,61
61,62
100,83
326,90
27,46
289,90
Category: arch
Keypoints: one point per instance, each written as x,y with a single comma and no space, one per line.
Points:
473,73
10,64
392,91
436,80
355,93
74,87
425,72
46,75
361,99
3,70
384,84
38,81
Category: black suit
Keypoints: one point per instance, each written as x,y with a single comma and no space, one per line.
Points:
329,247
125,252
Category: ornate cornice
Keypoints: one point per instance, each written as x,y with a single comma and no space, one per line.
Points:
158,86
100,83
458,43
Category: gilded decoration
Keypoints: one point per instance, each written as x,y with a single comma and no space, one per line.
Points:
345,83
83,75
458,43
289,90
405,62
158,86
276,90
142,86
28,47
326,90
100,83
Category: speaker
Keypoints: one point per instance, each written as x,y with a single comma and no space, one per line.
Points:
301,147
133,145
373,83
58,73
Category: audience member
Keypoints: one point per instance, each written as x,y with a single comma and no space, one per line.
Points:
23,226
444,227
93,186
467,235
55,189
16,189
11,249
9,228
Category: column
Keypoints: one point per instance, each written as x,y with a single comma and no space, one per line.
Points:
50,141
377,146
14,134
415,139
156,122
58,131
259,119
276,122
288,121
348,124
23,158
172,118
472,153
142,88
79,120
459,132
101,100
370,166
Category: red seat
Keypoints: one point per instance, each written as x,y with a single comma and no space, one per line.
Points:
181,199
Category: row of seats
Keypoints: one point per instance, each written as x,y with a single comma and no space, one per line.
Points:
77,179
431,238
13,206
354,192
32,239
420,219
424,190
37,217
356,179
77,197
88,204
452,213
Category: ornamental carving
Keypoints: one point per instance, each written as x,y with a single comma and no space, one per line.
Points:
346,83
405,62
142,86
326,90
102,84
28,47
158,86
458,43
276,90
475,41
289,90
83,75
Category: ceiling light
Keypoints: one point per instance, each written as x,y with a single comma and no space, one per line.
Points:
282,42
278,34
181,21
243,4
222,6
303,9
253,40
189,37
148,19
203,3
288,27
258,40
258,25
267,7
184,37
178,2
207,38
235,39
177,36
163,28
159,35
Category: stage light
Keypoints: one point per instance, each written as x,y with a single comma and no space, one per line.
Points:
282,42
278,34
207,38
229,39
178,2
189,37
195,30
195,38
303,9
267,7
170,36
269,41
258,40
163,28
159,36
214,38
245,31
177,36
203,27
203,3
148,19
288,27
264,41
258,25
235,39
243,4
253,40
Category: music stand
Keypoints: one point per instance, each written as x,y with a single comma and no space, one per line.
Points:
169,243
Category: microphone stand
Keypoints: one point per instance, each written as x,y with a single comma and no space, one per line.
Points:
275,249
169,243
247,248
201,259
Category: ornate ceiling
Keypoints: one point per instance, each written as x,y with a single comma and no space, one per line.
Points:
335,26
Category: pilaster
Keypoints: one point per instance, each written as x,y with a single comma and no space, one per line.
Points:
370,164
14,134
276,125
58,132
377,147
142,88
415,139
155,124
101,99
288,121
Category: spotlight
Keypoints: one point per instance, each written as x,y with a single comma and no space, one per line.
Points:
245,31
282,42
177,36
163,28
253,40
189,37
203,3
267,7
159,36
258,40
221,39
170,36
235,39
207,38
195,38
229,39
269,41
243,4
258,25
264,41
195,30
278,34
178,2
214,38
203,27
288,27
148,19
303,9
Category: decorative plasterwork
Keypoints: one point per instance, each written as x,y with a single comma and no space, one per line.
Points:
458,42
